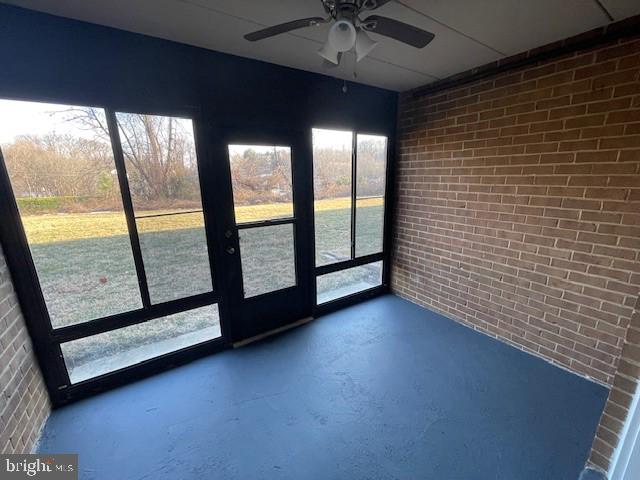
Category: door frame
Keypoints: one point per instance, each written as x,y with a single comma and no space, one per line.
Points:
282,307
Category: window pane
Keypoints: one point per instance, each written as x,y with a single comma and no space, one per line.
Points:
332,162
103,353
261,177
162,169
372,166
347,282
162,166
369,226
174,250
63,175
268,259
370,186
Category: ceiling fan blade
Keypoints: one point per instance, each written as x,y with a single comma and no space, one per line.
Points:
283,28
403,32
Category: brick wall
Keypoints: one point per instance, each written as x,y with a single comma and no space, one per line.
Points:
24,403
620,396
518,205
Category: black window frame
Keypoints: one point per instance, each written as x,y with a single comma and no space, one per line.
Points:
46,338
385,255
132,217
292,220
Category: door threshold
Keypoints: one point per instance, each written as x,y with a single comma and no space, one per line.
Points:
275,331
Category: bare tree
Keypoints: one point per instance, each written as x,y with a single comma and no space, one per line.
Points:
159,153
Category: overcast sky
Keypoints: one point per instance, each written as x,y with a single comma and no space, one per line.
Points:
33,118
20,118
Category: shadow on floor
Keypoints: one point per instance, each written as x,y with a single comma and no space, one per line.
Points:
381,390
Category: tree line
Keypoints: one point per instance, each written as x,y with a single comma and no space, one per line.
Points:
78,168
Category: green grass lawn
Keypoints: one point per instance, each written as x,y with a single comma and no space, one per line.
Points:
86,269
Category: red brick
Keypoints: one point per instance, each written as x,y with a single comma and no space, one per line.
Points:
620,142
20,379
585,121
618,51
624,116
594,70
573,111
609,105
617,78
597,157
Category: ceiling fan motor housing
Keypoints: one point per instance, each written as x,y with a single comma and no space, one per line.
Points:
344,9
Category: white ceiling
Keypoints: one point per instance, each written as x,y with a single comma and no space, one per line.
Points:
469,33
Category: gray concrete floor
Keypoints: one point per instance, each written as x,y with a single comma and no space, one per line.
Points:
381,390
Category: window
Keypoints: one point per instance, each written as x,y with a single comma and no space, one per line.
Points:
268,259
112,232
109,351
66,186
261,180
342,283
162,171
349,179
370,186
332,188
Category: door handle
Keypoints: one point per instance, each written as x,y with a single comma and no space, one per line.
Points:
231,250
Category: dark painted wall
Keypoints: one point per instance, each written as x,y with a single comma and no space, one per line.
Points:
52,59
60,60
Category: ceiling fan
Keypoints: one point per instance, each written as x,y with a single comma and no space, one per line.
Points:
349,30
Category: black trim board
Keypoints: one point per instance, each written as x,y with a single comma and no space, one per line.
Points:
354,262
133,317
127,204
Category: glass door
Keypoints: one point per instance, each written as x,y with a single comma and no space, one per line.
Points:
268,237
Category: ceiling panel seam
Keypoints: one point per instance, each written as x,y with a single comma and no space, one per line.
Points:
369,57
455,30
604,10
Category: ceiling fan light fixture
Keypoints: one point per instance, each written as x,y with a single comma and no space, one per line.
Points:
342,36
329,53
364,45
